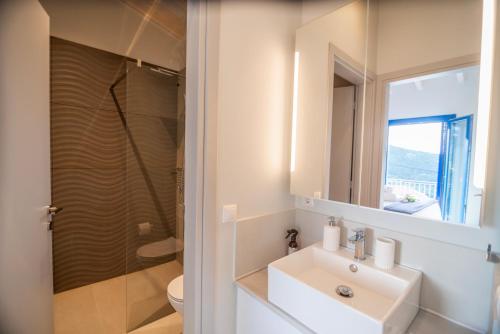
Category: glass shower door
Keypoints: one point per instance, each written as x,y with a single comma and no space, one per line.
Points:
154,184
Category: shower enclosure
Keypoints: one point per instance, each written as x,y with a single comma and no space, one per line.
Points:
117,129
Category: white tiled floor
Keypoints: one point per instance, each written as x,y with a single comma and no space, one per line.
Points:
118,304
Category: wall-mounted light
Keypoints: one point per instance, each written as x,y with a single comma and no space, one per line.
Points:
294,110
485,83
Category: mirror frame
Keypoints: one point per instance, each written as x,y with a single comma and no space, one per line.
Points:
471,236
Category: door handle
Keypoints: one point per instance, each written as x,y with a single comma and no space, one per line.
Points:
51,212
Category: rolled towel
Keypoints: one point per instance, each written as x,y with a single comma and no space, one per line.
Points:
385,250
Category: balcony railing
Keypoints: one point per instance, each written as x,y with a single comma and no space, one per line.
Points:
427,188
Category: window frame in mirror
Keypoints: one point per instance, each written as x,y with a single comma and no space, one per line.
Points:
382,113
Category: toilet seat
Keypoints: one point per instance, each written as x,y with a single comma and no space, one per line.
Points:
175,289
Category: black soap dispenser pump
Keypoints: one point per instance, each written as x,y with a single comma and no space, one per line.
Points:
292,245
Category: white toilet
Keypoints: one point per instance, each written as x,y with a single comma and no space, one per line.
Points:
175,293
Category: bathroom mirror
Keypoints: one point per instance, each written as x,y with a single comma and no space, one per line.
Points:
391,109
330,50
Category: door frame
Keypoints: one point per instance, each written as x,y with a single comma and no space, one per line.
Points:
350,161
197,275
340,63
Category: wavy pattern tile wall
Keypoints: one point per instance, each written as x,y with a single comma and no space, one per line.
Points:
110,171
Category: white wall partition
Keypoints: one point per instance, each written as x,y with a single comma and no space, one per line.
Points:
249,82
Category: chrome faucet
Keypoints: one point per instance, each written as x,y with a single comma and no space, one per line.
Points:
358,239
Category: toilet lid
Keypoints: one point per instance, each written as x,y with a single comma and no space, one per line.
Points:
175,288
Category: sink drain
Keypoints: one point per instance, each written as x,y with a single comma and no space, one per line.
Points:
344,291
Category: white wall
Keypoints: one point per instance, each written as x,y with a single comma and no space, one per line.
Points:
255,85
254,250
115,27
407,30
253,114
313,9
443,95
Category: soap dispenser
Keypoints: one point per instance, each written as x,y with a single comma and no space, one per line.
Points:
331,235
292,245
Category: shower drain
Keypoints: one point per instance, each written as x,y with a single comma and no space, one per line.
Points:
344,291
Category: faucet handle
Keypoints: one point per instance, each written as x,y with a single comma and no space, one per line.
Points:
359,234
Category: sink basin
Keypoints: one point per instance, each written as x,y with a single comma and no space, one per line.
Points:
318,288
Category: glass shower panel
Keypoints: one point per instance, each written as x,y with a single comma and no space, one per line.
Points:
154,185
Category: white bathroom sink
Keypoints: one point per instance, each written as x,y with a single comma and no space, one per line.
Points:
304,285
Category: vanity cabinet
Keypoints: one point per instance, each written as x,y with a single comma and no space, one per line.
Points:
254,316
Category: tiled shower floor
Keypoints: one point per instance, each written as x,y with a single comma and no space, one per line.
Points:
171,324
115,305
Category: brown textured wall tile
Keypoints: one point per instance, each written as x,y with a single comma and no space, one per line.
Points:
151,141
151,181
111,170
151,199
82,76
90,233
87,138
151,93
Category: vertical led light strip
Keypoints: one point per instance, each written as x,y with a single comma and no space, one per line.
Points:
485,83
294,110
363,107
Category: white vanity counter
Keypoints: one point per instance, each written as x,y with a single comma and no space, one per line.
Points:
256,286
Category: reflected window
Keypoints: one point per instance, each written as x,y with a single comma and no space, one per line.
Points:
429,157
